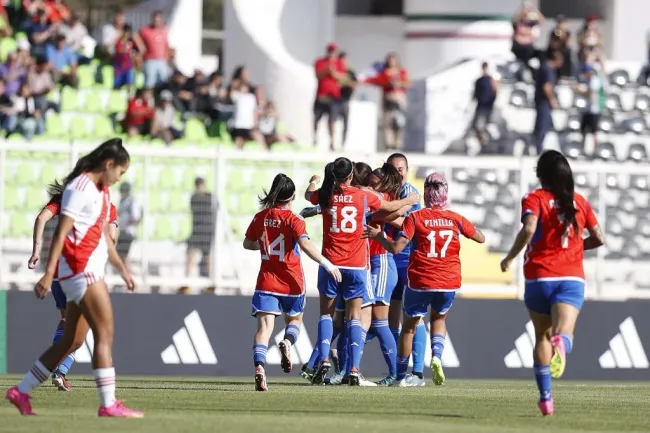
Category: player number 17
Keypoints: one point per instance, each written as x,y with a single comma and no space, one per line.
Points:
446,235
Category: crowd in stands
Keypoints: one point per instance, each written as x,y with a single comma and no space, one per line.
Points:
52,46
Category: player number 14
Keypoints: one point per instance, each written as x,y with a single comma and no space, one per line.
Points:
275,248
446,235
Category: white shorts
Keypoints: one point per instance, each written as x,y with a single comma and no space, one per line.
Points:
75,287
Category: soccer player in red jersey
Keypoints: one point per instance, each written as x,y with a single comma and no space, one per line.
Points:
80,240
51,210
279,234
434,270
345,209
554,218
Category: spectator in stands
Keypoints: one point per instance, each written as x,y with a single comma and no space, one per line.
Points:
129,217
559,41
40,84
13,74
485,94
41,33
63,61
8,119
183,97
5,24
23,55
139,113
156,42
591,43
545,99
395,81
123,67
57,11
30,120
525,23
593,88
163,121
269,126
347,89
110,34
245,117
203,228
212,98
75,35
330,72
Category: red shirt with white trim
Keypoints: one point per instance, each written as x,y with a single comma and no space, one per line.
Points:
376,248
343,226
434,263
277,231
556,250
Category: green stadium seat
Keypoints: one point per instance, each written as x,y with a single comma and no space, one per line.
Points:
25,174
253,146
156,201
108,76
283,147
49,173
214,130
79,128
54,126
35,199
139,80
184,228
103,127
69,99
167,179
12,199
157,142
21,225
7,45
164,229
189,175
195,131
179,202
20,35
86,76
117,102
93,103
16,138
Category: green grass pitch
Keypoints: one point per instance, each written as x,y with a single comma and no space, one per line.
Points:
292,406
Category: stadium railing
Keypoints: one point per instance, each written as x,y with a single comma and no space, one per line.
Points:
486,190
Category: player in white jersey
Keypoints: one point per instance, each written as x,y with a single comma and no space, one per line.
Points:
79,241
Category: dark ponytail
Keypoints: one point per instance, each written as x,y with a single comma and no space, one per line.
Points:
390,181
282,191
108,150
336,173
361,176
554,173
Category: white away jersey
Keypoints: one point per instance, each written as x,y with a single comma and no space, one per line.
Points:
85,249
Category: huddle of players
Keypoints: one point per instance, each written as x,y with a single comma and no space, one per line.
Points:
368,220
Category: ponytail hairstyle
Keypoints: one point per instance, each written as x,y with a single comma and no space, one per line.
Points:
554,173
435,191
336,173
283,190
361,176
108,150
390,181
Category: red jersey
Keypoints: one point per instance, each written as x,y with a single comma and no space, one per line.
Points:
556,249
387,79
343,226
277,231
328,86
434,263
376,248
54,206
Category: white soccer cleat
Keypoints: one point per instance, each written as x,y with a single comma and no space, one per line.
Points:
399,383
413,380
365,382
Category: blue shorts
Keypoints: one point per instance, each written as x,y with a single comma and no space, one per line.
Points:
540,295
278,304
402,279
384,277
355,284
126,78
416,303
59,296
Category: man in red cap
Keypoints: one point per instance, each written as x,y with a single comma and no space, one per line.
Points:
330,73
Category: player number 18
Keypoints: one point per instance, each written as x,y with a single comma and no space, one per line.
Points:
446,235
348,219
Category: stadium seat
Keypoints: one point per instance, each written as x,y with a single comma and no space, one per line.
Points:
642,102
69,99
93,103
637,152
167,179
103,127
606,123
195,131
184,228
636,124
579,101
54,126
157,142
605,151
12,199
7,45
86,76
108,76
117,102
573,149
519,98
25,175
21,224
613,102
284,147
619,78
573,123
179,202
164,229
157,202
253,146
639,182
79,128
35,199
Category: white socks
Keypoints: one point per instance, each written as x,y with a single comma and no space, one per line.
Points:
105,380
37,375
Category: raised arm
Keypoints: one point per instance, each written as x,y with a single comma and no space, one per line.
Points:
313,183
394,247
394,206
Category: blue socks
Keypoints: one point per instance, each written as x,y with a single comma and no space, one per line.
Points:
396,332
437,345
568,341
543,379
342,349
314,358
355,342
69,360
419,347
387,344
402,366
325,333
291,333
259,354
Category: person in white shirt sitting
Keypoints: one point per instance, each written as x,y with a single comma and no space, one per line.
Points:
245,117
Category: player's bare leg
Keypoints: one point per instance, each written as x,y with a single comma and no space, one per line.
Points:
542,357
564,317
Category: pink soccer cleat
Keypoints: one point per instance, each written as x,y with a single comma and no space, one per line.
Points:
20,400
260,379
285,351
547,407
558,361
118,410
